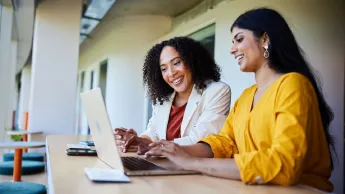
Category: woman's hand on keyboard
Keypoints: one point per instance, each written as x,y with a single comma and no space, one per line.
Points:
141,143
171,150
122,135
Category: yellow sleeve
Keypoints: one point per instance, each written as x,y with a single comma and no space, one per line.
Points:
223,145
282,162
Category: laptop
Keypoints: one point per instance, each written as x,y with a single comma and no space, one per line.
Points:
107,151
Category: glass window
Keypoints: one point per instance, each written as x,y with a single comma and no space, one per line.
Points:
206,37
103,77
87,25
98,8
82,38
92,13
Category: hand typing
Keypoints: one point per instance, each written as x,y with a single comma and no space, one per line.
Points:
128,141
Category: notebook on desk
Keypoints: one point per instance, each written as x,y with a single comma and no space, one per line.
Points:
105,144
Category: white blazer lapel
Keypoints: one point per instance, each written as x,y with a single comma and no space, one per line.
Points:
191,107
163,117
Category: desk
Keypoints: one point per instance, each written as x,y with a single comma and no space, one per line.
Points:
66,175
22,132
19,146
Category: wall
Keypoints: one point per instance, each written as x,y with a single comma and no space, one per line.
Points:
120,42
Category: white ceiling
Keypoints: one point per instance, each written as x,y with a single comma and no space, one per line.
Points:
159,7
22,28
121,8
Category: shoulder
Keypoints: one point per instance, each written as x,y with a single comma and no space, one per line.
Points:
216,92
294,82
294,78
214,87
295,86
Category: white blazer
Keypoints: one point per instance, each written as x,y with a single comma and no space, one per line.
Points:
205,114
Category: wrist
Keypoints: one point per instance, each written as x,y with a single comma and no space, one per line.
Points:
192,163
144,140
146,137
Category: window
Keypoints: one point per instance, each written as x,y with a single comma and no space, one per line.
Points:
103,77
82,78
206,36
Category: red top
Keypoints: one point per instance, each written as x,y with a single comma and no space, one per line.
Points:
175,121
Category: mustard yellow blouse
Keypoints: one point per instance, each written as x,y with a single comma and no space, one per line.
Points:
281,140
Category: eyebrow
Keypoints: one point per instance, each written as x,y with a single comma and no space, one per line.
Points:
237,35
170,60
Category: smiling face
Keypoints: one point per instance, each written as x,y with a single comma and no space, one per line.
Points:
174,71
248,50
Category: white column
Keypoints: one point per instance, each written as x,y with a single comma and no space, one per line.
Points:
54,66
25,86
11,83
5,62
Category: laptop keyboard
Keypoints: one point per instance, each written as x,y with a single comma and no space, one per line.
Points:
135,163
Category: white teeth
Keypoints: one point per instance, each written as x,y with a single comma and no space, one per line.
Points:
177,81
239,57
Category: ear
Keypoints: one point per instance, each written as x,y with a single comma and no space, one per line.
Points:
265,40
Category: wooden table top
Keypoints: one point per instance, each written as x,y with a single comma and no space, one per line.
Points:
66,175
22,144
22,132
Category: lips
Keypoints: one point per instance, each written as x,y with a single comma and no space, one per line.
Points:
177,81
238,58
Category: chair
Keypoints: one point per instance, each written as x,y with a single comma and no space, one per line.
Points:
22,188
15,168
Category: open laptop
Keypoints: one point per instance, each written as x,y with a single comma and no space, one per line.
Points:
107,151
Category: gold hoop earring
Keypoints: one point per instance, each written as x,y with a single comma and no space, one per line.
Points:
266,53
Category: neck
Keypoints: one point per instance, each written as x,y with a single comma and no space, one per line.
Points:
265,75
184,96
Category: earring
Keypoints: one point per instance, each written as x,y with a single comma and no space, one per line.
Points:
266,53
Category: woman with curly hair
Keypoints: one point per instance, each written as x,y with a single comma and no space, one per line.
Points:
189,101
277,132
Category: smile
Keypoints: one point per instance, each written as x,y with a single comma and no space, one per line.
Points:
239,57
177,81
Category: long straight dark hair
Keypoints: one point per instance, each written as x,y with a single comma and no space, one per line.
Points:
285,55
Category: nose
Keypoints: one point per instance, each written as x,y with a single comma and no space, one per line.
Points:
233,49
171,72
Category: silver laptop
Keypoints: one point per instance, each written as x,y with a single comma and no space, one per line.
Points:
107,151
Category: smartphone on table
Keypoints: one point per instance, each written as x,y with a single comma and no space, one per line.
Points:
88,143
78,147
76,152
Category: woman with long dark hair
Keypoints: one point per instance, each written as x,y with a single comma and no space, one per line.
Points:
278,130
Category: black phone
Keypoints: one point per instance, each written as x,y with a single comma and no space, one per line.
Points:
74,152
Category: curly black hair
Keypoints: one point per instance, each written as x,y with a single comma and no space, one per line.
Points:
196,57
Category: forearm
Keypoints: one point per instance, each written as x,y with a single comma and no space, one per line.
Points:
223,168
200,150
